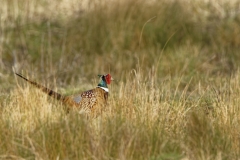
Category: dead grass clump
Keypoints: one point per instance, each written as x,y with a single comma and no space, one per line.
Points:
29,110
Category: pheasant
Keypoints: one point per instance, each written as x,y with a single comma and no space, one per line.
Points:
90,102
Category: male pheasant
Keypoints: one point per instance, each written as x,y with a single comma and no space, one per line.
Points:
90,102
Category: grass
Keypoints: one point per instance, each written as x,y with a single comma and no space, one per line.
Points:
176,92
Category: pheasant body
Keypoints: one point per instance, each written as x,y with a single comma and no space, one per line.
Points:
91,102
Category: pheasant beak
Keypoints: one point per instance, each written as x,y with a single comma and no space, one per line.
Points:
112,79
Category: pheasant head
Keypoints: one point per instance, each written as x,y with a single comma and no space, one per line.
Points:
104,81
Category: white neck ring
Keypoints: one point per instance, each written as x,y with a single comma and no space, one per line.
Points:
105,89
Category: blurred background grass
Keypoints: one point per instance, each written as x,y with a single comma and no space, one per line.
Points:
200,39
179,55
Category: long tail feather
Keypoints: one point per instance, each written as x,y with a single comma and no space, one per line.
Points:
46,90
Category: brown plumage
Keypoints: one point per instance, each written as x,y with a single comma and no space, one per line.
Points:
90,102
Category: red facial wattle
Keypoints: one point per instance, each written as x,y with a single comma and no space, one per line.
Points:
108,78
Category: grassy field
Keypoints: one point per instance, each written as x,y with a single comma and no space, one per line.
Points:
176,93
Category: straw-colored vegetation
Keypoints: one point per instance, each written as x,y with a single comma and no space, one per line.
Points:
176,93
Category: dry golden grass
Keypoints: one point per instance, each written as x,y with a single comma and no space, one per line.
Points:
144,119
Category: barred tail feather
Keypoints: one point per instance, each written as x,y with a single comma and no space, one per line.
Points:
50,92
